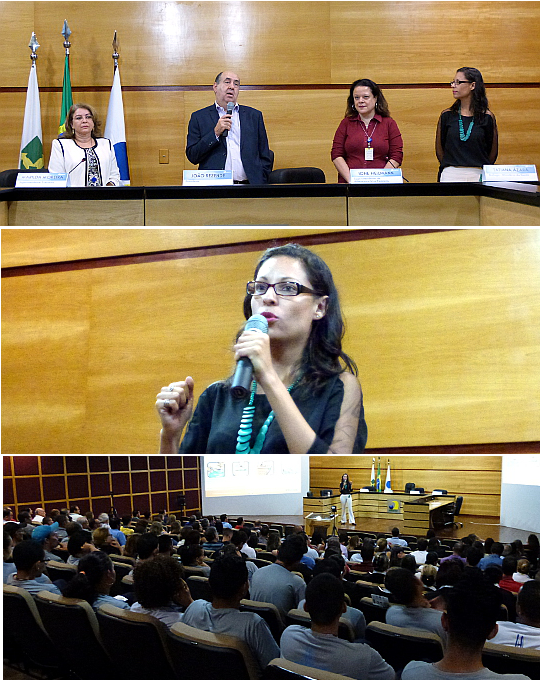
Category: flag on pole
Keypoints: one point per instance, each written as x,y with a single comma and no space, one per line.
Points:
388,484
67,97
379,476
115,129
373,473
31,154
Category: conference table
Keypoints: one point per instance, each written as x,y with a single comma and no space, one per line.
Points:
340,205
418,512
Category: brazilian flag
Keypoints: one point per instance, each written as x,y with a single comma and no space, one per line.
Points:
31,154
67,97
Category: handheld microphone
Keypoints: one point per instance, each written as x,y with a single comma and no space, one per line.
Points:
230,109
244,368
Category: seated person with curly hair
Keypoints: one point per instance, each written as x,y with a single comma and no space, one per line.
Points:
160,589
94,581
320,647
193,556
229,585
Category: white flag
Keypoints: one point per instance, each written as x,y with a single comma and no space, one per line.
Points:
388,484
115,129
373,473
31,154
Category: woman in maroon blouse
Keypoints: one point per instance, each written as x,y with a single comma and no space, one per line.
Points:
367,137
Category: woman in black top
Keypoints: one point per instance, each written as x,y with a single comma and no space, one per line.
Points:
305,396
345,489
467,135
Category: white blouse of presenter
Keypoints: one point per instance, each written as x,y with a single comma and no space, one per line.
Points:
345,489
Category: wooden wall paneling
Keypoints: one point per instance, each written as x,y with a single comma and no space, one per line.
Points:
17,26
419,43
441,327
45,326
37,246
153,324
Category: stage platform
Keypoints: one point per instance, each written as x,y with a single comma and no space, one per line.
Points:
483,527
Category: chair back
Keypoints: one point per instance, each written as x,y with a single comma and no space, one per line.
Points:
137,643
123,559
63,616
222,657
372,611
305,175
302,618
278,528
56,570
457,505
121,570
281,669
504,659
24,629
265,555
267,611
398,645
199,588
259,562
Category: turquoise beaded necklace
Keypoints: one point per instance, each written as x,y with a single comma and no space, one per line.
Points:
246,424
462,135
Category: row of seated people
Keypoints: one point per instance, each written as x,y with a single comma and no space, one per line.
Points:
160,591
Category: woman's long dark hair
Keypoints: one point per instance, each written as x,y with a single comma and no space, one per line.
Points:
381,106
479,97
323,352
92,568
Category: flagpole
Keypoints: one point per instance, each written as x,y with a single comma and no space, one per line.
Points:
31,151
115,54
67,97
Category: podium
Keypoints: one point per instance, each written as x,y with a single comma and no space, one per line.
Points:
319,521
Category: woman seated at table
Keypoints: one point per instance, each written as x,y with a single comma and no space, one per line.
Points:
86,156
367,137
467,135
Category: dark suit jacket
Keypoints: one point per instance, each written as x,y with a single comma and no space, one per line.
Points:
209,153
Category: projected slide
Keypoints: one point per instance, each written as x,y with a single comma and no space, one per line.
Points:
256,475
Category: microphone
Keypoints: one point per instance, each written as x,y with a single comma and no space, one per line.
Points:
72,169
244,368
230,109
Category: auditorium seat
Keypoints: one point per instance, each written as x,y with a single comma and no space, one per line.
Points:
278,528
267,611
506,659
260,562
69,619
121,570
281,669
122,559
398,645
137,643
197,654
58,570
265,555
199,588
305,175
25,636
300,617
372,611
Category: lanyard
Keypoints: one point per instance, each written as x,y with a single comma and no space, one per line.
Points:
369,137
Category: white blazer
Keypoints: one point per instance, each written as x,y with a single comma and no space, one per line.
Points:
68,156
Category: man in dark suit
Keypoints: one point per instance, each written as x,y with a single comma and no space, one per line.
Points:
244,151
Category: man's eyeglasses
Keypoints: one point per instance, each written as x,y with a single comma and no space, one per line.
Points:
285,288
459,82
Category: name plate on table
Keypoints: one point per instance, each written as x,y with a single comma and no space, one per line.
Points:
206,178
41,180
509,173
377,176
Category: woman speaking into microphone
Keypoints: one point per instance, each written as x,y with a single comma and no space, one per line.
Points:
304,397
345,489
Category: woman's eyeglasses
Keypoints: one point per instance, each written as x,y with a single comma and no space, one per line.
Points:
286,288
459,82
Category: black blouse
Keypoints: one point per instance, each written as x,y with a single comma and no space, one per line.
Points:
214,426
475,152
345,487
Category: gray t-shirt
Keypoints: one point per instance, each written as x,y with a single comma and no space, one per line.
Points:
246,626
277,585
109,599
355,616
330,653
167,615
34,586
421,670
420,618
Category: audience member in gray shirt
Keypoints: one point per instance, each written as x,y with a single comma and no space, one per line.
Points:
472,609
319,646
275,583
29,560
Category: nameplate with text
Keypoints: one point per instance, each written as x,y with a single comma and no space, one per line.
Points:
206,178
509,173
377,176
42,180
